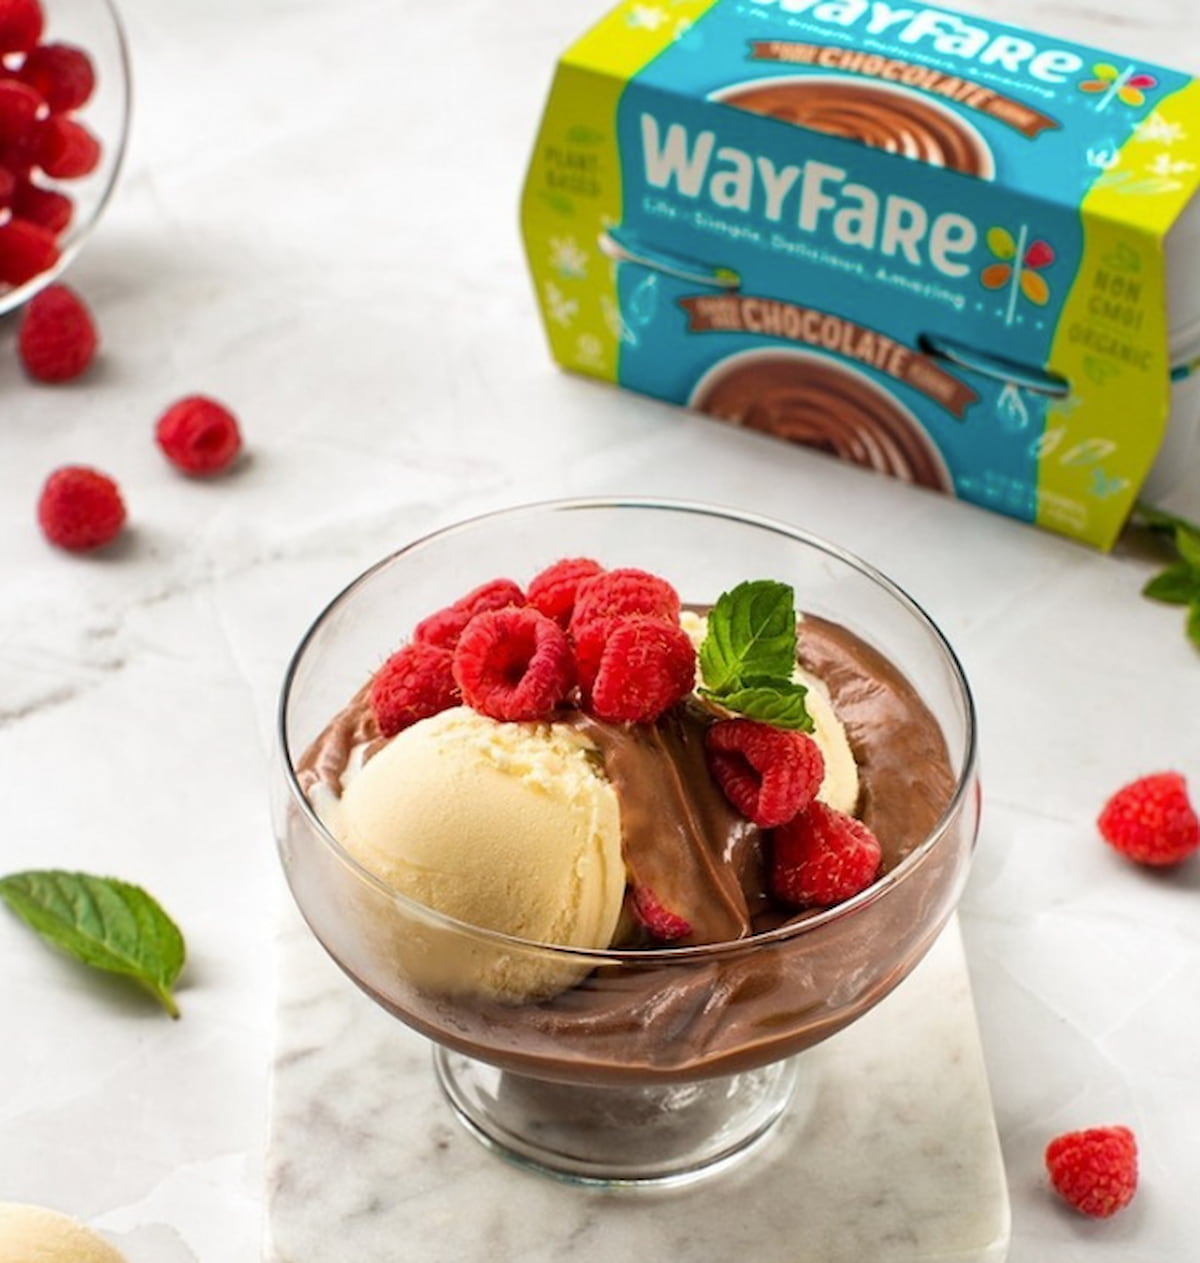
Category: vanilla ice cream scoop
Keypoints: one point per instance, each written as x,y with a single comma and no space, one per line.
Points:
506,826
34,1234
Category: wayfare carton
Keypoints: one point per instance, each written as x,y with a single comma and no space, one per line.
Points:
946,248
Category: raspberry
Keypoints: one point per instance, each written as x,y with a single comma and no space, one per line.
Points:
198,436
822,856
414,683
57,340
553,590
80,509
514,664
616,593
1096,1170
769,774
47,208
446,626
61,74
589,641
65,149
21,24
1151,820
8,187
26,251
19,108
661,922
646,665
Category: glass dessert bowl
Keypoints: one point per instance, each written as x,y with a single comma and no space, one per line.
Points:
54,189
666,1055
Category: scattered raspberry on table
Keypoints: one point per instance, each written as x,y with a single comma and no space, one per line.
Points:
1096,1170
57,340
80,509
1151,820
199,436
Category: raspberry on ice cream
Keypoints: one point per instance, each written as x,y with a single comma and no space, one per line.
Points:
416,682
513,664
769,774
444,627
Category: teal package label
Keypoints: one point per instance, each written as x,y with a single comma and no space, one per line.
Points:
897,312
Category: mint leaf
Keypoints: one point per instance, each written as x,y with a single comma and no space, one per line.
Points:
778,702
1187,545
102,922
751,632
1158,519
1176,585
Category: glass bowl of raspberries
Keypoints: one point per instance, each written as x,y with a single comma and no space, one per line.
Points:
624,805
64,118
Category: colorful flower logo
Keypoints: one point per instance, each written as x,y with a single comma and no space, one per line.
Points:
1019,267
1128,86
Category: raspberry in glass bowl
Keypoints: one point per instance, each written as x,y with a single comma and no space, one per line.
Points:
64,119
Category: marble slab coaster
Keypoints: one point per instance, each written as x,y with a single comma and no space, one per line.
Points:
889,1153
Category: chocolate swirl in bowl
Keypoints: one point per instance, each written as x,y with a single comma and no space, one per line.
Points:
817,403
882,118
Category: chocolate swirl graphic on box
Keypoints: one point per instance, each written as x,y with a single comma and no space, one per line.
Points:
881,117
814,401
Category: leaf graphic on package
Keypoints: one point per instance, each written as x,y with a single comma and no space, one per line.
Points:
559,202
581,134
104,923
643,302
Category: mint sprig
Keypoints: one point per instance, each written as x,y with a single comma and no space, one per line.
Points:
102,922
749,652
1179,582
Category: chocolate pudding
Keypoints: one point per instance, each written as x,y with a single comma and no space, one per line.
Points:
779,982
819,404
896,122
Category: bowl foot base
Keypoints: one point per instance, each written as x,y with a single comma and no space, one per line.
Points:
616,1136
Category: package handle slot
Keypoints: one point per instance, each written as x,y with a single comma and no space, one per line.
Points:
623,250
1027,376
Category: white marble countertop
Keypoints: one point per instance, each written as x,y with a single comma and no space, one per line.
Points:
318,224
